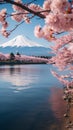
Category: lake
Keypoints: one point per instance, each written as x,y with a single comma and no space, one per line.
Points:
30,98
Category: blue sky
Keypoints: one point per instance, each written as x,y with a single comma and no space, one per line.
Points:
24,29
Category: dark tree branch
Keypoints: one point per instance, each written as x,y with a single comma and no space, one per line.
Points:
9,15
25,8
44,11
16,26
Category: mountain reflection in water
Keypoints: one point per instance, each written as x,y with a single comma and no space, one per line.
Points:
19,78
39,104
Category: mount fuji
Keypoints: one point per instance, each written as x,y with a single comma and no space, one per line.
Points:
23,45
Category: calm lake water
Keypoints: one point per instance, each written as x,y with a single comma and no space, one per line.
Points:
30,98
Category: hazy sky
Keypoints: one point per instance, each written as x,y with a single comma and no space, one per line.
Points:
25,29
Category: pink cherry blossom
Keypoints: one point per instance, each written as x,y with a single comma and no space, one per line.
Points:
35,7
59,5
4,32
17,8
5,24
38,31
17,17
2,15
47,4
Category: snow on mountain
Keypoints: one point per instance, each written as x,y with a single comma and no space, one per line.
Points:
21,41
25,46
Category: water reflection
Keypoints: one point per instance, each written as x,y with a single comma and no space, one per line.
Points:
20,78
58,106
12,70
38,108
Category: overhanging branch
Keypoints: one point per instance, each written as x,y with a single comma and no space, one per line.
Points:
25,8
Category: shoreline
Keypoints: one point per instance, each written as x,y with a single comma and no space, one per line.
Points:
20,63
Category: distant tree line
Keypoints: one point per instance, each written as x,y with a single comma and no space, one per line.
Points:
17,58
12,56
46,57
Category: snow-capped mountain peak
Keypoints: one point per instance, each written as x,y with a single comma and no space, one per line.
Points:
21,41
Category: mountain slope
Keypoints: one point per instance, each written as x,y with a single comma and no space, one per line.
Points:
37,51
21,41
24,46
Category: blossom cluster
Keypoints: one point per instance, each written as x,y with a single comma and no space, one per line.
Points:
58,20
3,22
59,17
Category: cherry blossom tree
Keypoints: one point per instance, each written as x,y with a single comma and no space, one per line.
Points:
58,29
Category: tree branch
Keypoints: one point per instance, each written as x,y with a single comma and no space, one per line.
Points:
9,15
16,26
25,8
